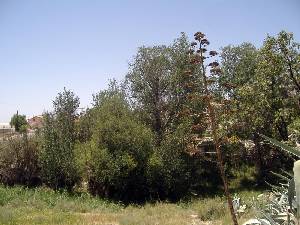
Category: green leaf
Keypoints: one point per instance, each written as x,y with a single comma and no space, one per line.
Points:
291,193
287,173
283,146
281,176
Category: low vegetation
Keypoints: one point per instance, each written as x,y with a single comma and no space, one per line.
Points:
19,205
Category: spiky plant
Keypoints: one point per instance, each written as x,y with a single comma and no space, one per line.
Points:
285,204
297,186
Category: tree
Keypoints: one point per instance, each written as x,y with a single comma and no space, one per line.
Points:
263,83
121,146
19,122
19,161
238,68
166,91
159,87
170,170
59,169
276,79
262,87
288,50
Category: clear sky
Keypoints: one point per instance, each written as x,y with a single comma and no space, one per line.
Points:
46,45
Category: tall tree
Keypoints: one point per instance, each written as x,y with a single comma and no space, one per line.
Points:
121,146
263,94
159,86
263,83
58,163
19,122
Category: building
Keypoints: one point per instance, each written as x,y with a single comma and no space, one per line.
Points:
35,122
6,129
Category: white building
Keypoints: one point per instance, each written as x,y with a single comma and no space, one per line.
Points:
5,128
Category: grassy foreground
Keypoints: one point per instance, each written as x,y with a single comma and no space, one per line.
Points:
24,206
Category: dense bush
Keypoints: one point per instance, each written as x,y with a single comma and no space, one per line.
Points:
59,169
168,169
19,161
84,126
121,146
174,171
19,122
83,159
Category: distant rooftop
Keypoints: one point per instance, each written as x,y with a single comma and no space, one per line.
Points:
5,126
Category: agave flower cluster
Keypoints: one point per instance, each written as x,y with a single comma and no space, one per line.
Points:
198,55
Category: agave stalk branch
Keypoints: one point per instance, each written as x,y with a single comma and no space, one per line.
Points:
216,140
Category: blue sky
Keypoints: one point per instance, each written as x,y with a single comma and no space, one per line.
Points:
46,45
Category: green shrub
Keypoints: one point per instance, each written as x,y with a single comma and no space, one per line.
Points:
83,156
59,169
169,168
173,172
19,161
168,172
84,126
121,146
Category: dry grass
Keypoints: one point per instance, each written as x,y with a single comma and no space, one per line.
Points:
44,206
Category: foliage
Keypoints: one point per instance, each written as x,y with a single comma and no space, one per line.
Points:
260,85
291,150
283,205
158,86
59,169
276,86
84,126
19,122
164,88
121,146
19,161
169,172
83,154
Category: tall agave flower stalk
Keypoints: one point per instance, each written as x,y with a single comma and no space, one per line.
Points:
198,55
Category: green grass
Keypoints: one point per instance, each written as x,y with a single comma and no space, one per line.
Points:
25,206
